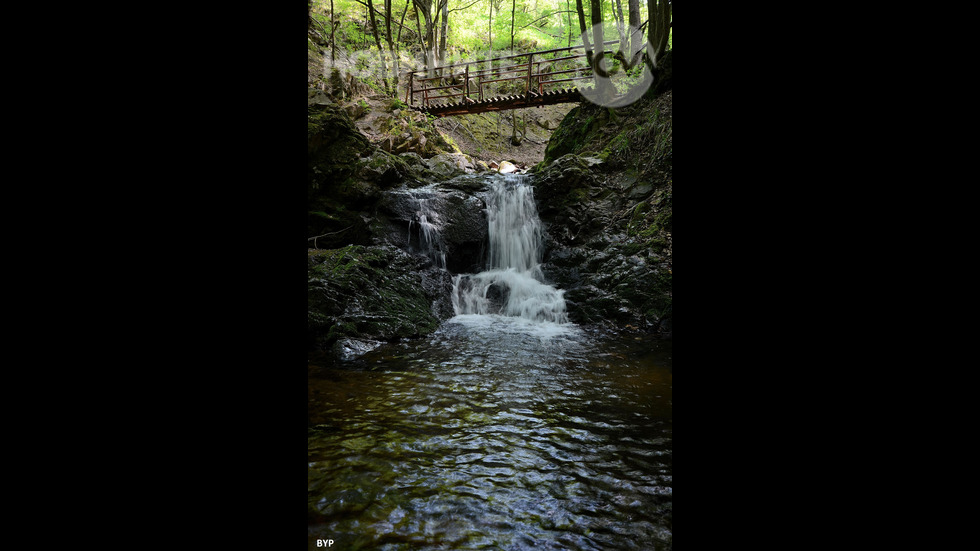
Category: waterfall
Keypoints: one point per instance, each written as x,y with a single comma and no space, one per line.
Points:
430,239
513,284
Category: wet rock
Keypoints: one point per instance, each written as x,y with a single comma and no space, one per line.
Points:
464,232
335,145
575,201
564,181
607,235
448,165
348,348
497,296
358,294
413,159
385,170
458,216
641,190
335,192
470,183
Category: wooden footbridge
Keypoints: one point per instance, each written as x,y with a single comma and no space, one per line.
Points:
435,95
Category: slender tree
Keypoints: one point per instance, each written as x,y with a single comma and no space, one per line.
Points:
425,38
384,66
568,8
433,40
584,30
443,32
490,30
391,45
603,85
624,42
333,45
401,24
513,10
658,26
636,35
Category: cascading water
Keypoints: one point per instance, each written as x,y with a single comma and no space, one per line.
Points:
430,240
513,284
508,427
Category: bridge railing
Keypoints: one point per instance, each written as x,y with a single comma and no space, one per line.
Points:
426,89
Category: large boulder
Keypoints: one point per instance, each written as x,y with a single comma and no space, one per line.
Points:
357,295
574,199
608,243
604,194
453,209
449,165
346,178
335,145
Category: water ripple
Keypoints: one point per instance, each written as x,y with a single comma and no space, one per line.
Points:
494,441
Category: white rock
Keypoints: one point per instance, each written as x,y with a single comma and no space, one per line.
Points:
506,167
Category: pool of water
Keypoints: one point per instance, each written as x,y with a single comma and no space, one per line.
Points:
493,433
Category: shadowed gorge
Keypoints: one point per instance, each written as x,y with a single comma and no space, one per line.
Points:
489,293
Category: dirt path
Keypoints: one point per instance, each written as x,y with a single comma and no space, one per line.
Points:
484,136
487,136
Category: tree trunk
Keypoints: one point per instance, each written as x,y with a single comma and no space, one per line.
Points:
381,51
442,34
391,46
659,27
425,38
401,25
624,43
513,9
603,86
568,6
333,45
513,132
636,36
584,30
490,32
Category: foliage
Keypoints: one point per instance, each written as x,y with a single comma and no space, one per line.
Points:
535,24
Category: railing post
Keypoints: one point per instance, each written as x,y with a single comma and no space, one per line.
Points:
527,91
410,95
466,84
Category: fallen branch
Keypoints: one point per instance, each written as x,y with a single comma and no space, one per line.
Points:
315,237
546,16
463,8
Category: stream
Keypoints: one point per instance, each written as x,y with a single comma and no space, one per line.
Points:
507,428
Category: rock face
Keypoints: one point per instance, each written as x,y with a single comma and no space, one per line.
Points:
363,288
389,231
608,212
373,272
456,215
362,294
345,174
449,165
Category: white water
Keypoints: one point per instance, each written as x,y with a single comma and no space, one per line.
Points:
430,238
512,291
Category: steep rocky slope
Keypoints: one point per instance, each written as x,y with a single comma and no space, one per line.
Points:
605,191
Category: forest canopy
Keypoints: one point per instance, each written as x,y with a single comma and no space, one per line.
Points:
412,34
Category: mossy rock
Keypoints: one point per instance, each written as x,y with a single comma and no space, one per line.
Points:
365,292
572,134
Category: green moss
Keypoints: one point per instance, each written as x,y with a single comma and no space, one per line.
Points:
664,218
633,227
632,248
365,292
